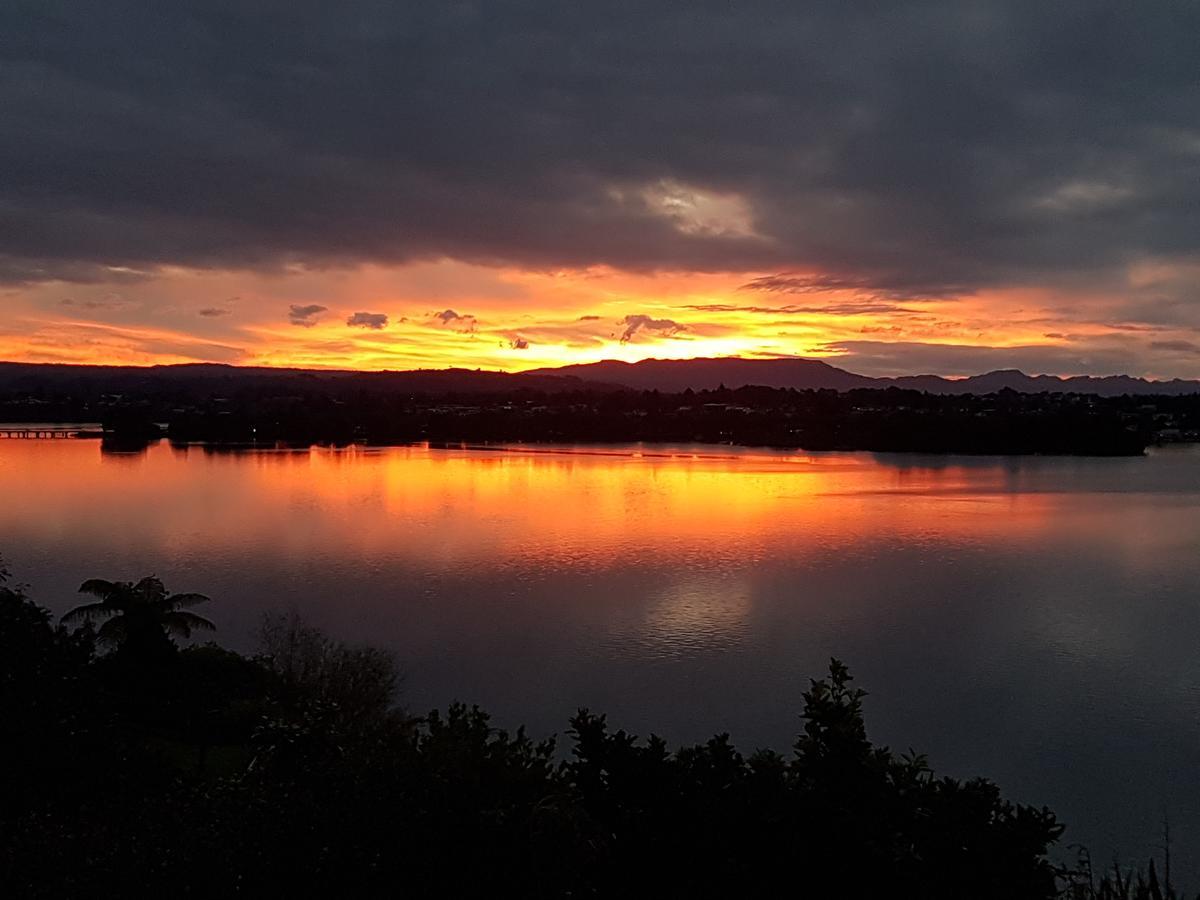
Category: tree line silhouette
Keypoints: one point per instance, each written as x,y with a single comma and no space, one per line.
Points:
258,410
889,420
132,766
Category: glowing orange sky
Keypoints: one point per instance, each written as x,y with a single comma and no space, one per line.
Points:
448,313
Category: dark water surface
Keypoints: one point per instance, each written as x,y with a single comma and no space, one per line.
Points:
1035,620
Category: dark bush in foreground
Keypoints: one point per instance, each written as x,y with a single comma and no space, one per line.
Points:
214,774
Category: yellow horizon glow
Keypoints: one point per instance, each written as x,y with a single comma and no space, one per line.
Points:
508,319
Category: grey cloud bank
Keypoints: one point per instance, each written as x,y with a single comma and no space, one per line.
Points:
918,149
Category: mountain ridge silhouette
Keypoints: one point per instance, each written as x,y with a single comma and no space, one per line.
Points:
666,375
813,374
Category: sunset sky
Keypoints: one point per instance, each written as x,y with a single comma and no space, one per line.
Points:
948,186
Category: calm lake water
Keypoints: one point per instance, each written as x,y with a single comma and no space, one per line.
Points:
1034,620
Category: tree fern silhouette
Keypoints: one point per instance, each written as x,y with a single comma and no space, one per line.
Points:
140,617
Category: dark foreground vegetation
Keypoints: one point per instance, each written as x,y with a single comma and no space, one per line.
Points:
891,420
298,409
133,768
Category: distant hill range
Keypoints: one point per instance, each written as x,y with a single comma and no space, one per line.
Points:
812,374
670,376
210,377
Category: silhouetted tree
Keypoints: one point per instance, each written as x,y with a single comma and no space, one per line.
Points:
351,687
293,773
140,618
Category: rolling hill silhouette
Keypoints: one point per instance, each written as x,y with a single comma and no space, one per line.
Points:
221,377
813,374
665,375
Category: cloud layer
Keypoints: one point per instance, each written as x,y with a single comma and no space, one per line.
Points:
918,148
937,185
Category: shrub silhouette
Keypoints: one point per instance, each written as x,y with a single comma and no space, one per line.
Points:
857,820
294,772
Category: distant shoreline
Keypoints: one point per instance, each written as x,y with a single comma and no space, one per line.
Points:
665,375
477,408
114,443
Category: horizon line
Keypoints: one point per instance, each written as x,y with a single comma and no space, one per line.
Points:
548,371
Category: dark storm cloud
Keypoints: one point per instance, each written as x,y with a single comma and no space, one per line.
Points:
305,316
919,148
374,321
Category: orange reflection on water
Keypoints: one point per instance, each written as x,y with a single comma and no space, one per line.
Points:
569,507
670,547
